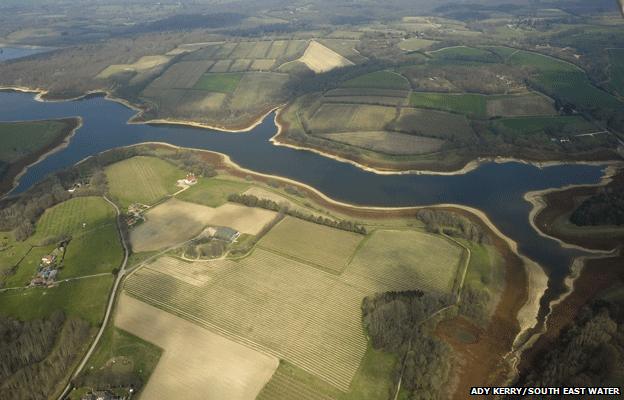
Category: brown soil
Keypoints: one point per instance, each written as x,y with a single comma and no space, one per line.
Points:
8,178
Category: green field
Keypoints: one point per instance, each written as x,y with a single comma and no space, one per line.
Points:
27,267
432,123
142,180
98,251
21,139
328,248
415,44
473,105
406,260
84,298
11,251
378,80
120,357
556,125
74,217
212,192
214,82
616,65
463,53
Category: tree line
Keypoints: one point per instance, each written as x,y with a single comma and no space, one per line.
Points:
36,355
253,201
452,224
393,321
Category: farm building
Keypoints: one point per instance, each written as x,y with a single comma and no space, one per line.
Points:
227,234
48,260
190,179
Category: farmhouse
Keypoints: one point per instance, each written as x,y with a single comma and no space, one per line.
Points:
190,179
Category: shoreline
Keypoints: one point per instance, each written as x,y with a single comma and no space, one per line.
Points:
579,263
468,167
45,154
536,199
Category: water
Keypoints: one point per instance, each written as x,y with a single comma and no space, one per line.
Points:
496,189
11,53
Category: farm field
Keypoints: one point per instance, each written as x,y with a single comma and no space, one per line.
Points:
212,192
378,80
519,105
387,260
415,44
119,357
464,53
388,142
326,247
557,125
142,180
322,59
350,117
283,307
344,47
176,221
432,123
42,302
285,304
11,251
143,64
67,218
223,83
96,252
473,105
196,363
21,139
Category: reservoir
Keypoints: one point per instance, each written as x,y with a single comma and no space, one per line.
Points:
11,53
496,189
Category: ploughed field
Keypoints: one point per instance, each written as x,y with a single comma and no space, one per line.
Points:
300,302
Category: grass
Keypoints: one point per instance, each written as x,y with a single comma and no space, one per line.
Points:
118,344
415,44
21,139
406,260
464,53
85,298
562,125
328,248
212,192
11,251
520,105
27,267
378,80
219,82
473,105
142,180
67,218
98,251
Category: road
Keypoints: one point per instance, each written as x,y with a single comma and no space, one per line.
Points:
109,307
